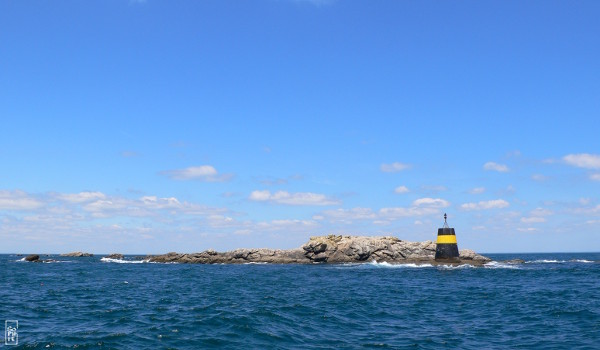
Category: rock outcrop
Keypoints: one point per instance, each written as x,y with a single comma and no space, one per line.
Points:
117,256
77,254
32,257
330,249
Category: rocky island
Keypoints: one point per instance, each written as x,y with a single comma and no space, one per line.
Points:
331,249
77,254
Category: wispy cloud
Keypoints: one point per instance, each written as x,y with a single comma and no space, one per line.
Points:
484,205
583,160
18,201
401,190
527,229
431,202
274,181
595,177
298,198
477,190
538,215
532,219
394,167
495,167
383,216
205,173
81,197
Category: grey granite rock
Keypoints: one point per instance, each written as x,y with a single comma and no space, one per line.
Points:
77,254
117,256
329,249
32,257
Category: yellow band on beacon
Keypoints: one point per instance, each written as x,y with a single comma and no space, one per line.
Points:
446,239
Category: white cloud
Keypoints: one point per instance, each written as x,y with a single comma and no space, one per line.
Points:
18,201
81,197
495,167
539,177
537,215
401,189
484,205
584,201
583,160
420,207
94,220
292,223
347,214
260,195
595,177
477,190
202,173
394,167
528,229
532,219
160,203
298,198
431,202
400,212
541,212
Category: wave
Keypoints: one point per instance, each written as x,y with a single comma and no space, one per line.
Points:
500,265
554,261
46,261
456,267
545,261
388,265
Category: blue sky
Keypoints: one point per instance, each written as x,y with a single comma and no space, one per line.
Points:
155,126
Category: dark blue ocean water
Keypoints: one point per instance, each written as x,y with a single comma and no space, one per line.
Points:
550,302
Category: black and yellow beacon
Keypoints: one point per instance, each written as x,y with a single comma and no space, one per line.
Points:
446,249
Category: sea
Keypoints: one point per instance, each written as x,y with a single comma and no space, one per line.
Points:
551,301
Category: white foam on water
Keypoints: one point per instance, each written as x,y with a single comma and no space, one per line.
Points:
388,265
500,265
545,261
121,261
256,263
456,267
46,261
582,261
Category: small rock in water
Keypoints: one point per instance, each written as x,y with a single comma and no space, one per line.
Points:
32,257
115,256
77,254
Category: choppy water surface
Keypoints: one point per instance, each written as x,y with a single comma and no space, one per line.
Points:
552,301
